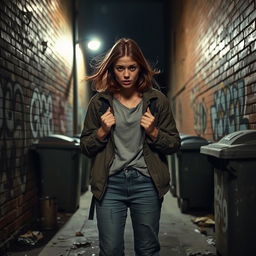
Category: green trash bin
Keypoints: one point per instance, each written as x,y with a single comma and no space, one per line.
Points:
85,166
172,169
234,161
194,175
171,166
60,170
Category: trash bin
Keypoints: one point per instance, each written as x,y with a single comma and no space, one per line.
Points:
85,165
171,166
194,175
172,170
234,161
60,170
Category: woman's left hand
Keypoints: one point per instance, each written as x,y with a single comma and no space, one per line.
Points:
148,123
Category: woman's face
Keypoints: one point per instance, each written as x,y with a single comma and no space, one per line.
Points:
126,72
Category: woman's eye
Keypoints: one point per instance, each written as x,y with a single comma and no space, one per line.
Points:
119,68
133,68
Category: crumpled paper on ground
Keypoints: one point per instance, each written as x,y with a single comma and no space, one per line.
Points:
205,221
30,237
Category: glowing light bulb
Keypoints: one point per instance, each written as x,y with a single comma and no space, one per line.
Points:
94,44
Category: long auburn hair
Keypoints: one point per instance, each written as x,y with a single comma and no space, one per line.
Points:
104,78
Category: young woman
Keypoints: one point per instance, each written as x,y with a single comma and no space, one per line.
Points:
128,129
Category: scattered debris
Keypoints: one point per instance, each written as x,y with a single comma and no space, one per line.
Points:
211,241
79,244
79,233
197,230
206,221
30,237
191,252
203,231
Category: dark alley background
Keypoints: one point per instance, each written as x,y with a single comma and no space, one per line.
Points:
145,21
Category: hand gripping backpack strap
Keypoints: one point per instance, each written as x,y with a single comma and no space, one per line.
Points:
153,106
104,106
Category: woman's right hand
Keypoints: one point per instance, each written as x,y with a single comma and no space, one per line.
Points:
107,121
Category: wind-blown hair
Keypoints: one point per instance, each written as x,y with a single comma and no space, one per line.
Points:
104,78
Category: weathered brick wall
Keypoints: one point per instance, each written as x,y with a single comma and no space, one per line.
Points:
36,89
214,66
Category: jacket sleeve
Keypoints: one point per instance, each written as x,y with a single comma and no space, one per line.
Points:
168,139
89,141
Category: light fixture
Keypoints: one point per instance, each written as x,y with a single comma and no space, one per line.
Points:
94,44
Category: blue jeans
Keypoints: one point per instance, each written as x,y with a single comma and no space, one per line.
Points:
129,188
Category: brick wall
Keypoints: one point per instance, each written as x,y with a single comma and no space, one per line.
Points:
213,66
36,90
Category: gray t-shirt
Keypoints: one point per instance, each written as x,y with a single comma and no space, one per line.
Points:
129,137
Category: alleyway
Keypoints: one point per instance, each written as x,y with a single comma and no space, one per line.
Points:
178,234
206,54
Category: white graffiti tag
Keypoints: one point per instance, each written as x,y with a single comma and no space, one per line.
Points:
13,175
221,208
41,114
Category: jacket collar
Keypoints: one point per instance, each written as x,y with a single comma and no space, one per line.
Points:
147,96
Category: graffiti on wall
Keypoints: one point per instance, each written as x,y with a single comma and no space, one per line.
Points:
14,133
227,111
41,119
12,139
220,204
177,110
199,112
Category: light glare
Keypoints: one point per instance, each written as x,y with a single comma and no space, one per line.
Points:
94,45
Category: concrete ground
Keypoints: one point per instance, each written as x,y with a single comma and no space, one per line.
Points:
178,235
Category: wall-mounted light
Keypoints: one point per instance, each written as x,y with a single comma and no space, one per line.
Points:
94,44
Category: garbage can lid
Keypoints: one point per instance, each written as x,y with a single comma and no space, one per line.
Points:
240,144
189,142
58,141
76,137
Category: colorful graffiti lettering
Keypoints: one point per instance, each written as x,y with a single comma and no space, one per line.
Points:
227,112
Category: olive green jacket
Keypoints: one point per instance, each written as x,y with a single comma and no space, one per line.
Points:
102,151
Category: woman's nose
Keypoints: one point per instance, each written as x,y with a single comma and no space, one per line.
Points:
126,73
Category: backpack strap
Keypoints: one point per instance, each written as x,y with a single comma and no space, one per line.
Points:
104,106
92,208
153,106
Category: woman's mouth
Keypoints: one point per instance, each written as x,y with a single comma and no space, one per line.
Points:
126,82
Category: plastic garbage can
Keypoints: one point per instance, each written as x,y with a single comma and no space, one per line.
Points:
234,161
194,175
60,170
172,169
85,166
171,166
